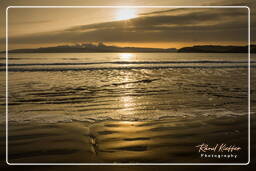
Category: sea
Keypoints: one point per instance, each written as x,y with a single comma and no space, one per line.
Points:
66,87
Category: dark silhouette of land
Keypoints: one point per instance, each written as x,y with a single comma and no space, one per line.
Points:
218,49
100,47
90,48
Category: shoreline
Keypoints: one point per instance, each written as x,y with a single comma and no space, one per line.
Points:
163,141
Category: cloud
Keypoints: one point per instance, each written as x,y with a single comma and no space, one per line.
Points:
30,22
176,25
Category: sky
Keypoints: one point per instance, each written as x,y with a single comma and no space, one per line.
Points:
140,27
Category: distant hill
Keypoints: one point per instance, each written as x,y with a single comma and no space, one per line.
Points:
218,49
100,47
90,48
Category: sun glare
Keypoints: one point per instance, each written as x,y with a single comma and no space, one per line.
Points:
125,14
126,56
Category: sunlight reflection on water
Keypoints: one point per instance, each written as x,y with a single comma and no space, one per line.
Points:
127,101
126,56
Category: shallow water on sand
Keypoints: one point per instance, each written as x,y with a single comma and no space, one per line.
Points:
125,107
171,140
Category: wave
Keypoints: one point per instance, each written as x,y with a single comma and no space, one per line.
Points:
122,68
132,82
133,62
40,118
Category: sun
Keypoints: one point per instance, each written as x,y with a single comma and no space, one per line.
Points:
125,13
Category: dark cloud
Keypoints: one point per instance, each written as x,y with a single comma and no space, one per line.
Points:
191,25
193,10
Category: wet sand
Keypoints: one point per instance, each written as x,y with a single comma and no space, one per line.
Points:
130,116
169,140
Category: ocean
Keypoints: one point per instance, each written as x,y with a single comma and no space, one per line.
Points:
161,92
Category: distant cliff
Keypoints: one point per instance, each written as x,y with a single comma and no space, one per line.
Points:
218,49
90,48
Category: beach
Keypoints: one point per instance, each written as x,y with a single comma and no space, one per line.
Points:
140,111
170,140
